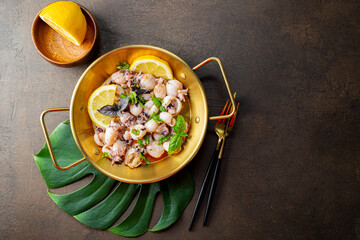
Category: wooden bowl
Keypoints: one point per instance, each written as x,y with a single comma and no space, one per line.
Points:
59,51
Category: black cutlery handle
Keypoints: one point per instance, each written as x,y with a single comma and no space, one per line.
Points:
212,190
202,190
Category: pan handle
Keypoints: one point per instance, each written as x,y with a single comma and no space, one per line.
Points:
226,83
51,151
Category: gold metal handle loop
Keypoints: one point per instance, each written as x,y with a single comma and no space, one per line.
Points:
226,83
51,151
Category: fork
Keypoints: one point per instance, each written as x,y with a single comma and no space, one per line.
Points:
220,130
228,128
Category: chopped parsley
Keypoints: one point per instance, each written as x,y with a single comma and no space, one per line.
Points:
133,98
147,139
135,132
141,104
106,155
156,117
143,157
163,139
123,65
141,99
140,142
135,85
157,102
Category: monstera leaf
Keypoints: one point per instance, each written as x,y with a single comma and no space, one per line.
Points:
94,206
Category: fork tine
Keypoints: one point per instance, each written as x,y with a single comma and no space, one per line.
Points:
234,117
222,112
223,121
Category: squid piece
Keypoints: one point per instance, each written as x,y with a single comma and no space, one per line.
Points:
172,104
182,93
150,108
148,105
151,126
139,149
138,131
127,137
147,81
155,150
162,129
166,146
160,89
127,119
118,77
118,151
99,138
147,96
167,118
157,136
142,118
132,158
135,109
111,135
106,149
172,87
116,125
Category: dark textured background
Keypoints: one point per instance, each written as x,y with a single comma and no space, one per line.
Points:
291,169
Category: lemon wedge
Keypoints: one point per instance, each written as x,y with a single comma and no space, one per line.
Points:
153,65
104,95
67,19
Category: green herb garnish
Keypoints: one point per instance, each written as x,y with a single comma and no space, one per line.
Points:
106,155
140,142
147,139
141,104
184,134
135,85
180,125
157,102
162,108
122,96
163,139
156,117
132,97
143,157
135,132
141,99
176,141
124,65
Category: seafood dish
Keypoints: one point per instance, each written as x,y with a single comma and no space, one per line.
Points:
146,124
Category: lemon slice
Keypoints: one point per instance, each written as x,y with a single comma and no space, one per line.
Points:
153,65
66,18
104,95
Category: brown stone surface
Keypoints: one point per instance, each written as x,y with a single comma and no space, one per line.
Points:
291,168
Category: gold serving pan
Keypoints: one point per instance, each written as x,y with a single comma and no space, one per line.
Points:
82,128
